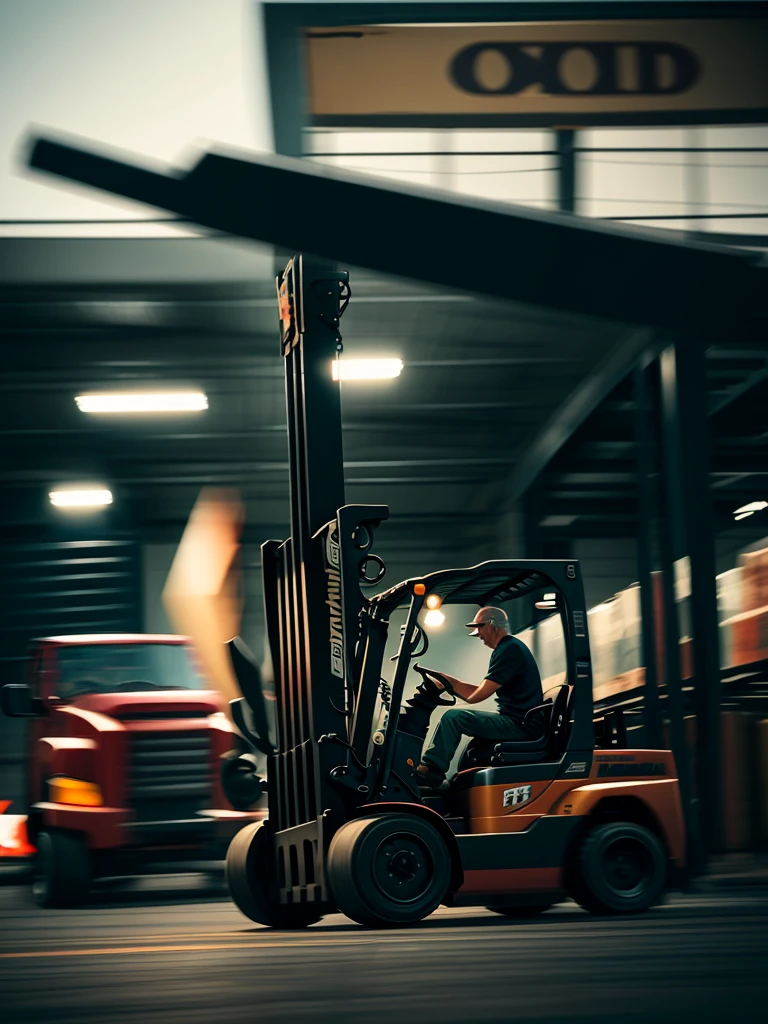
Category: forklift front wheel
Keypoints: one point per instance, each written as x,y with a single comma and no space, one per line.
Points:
388,870
61,872
250,878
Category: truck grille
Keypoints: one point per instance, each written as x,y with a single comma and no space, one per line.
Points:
169,775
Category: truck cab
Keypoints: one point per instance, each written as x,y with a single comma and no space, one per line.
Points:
124,750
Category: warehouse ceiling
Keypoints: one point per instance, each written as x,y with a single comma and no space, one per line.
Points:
497,392
438,444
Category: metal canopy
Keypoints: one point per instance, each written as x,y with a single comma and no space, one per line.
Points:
479,584
535,257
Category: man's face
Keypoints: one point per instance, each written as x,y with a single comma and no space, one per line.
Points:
486,632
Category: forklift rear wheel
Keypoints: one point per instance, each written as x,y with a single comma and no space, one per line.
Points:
622,869
532,910
388,870
61,872
250,878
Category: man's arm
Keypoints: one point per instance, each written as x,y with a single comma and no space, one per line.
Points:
470,692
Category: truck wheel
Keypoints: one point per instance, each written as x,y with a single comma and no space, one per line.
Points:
388,870
61,872
249,873
523,912
622,869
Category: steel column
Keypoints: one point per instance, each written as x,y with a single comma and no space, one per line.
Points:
645,496
566,173
691,532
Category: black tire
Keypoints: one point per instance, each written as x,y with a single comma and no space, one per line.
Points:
249,874
622,869
359,861
523,912
61,872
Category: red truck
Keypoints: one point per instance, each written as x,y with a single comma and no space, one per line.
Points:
124,753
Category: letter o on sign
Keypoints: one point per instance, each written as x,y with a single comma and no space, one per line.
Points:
523,68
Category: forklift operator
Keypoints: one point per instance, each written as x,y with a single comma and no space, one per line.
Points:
512,675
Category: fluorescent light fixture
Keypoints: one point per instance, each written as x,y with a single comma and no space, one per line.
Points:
366,369
434,617
81,497
749,509
152,401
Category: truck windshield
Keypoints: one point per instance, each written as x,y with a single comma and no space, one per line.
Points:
125,668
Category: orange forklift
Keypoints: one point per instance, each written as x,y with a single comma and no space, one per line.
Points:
523,823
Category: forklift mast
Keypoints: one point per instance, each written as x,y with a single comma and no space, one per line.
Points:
311,583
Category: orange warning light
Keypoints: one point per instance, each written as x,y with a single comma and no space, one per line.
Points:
419,588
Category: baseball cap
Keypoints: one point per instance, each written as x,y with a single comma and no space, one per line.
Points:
496,616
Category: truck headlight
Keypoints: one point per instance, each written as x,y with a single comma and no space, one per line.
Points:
74,791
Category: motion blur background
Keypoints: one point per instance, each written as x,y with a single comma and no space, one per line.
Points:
513,428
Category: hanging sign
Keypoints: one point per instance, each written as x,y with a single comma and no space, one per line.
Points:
538,73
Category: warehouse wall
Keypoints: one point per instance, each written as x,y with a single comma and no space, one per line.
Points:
609,565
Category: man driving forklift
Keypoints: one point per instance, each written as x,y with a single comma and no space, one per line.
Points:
513,676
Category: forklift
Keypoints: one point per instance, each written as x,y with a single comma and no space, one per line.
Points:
524,823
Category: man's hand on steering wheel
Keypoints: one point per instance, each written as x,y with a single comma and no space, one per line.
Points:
437,679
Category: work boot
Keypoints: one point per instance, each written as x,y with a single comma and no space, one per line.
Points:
429,777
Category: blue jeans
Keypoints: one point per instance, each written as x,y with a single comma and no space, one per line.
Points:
458,722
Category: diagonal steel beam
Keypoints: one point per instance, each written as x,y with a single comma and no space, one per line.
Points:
546,259
580,404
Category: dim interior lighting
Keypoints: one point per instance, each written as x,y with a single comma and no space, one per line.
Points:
749,509
434,617
366,369
80,497
434,601
157,401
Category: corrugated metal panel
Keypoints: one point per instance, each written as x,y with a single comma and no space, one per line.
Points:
50,587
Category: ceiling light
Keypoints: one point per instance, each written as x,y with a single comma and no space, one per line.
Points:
81,497
366,369
749,509
157,401
434,617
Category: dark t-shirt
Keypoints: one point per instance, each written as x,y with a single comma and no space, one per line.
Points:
514,668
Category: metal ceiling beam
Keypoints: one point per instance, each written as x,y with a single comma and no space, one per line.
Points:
565,263
582,403
734,393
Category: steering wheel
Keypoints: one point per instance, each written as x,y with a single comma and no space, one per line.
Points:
430,676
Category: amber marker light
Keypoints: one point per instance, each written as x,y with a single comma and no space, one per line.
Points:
419,589
74,791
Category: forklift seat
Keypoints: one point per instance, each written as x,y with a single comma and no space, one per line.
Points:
549,745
